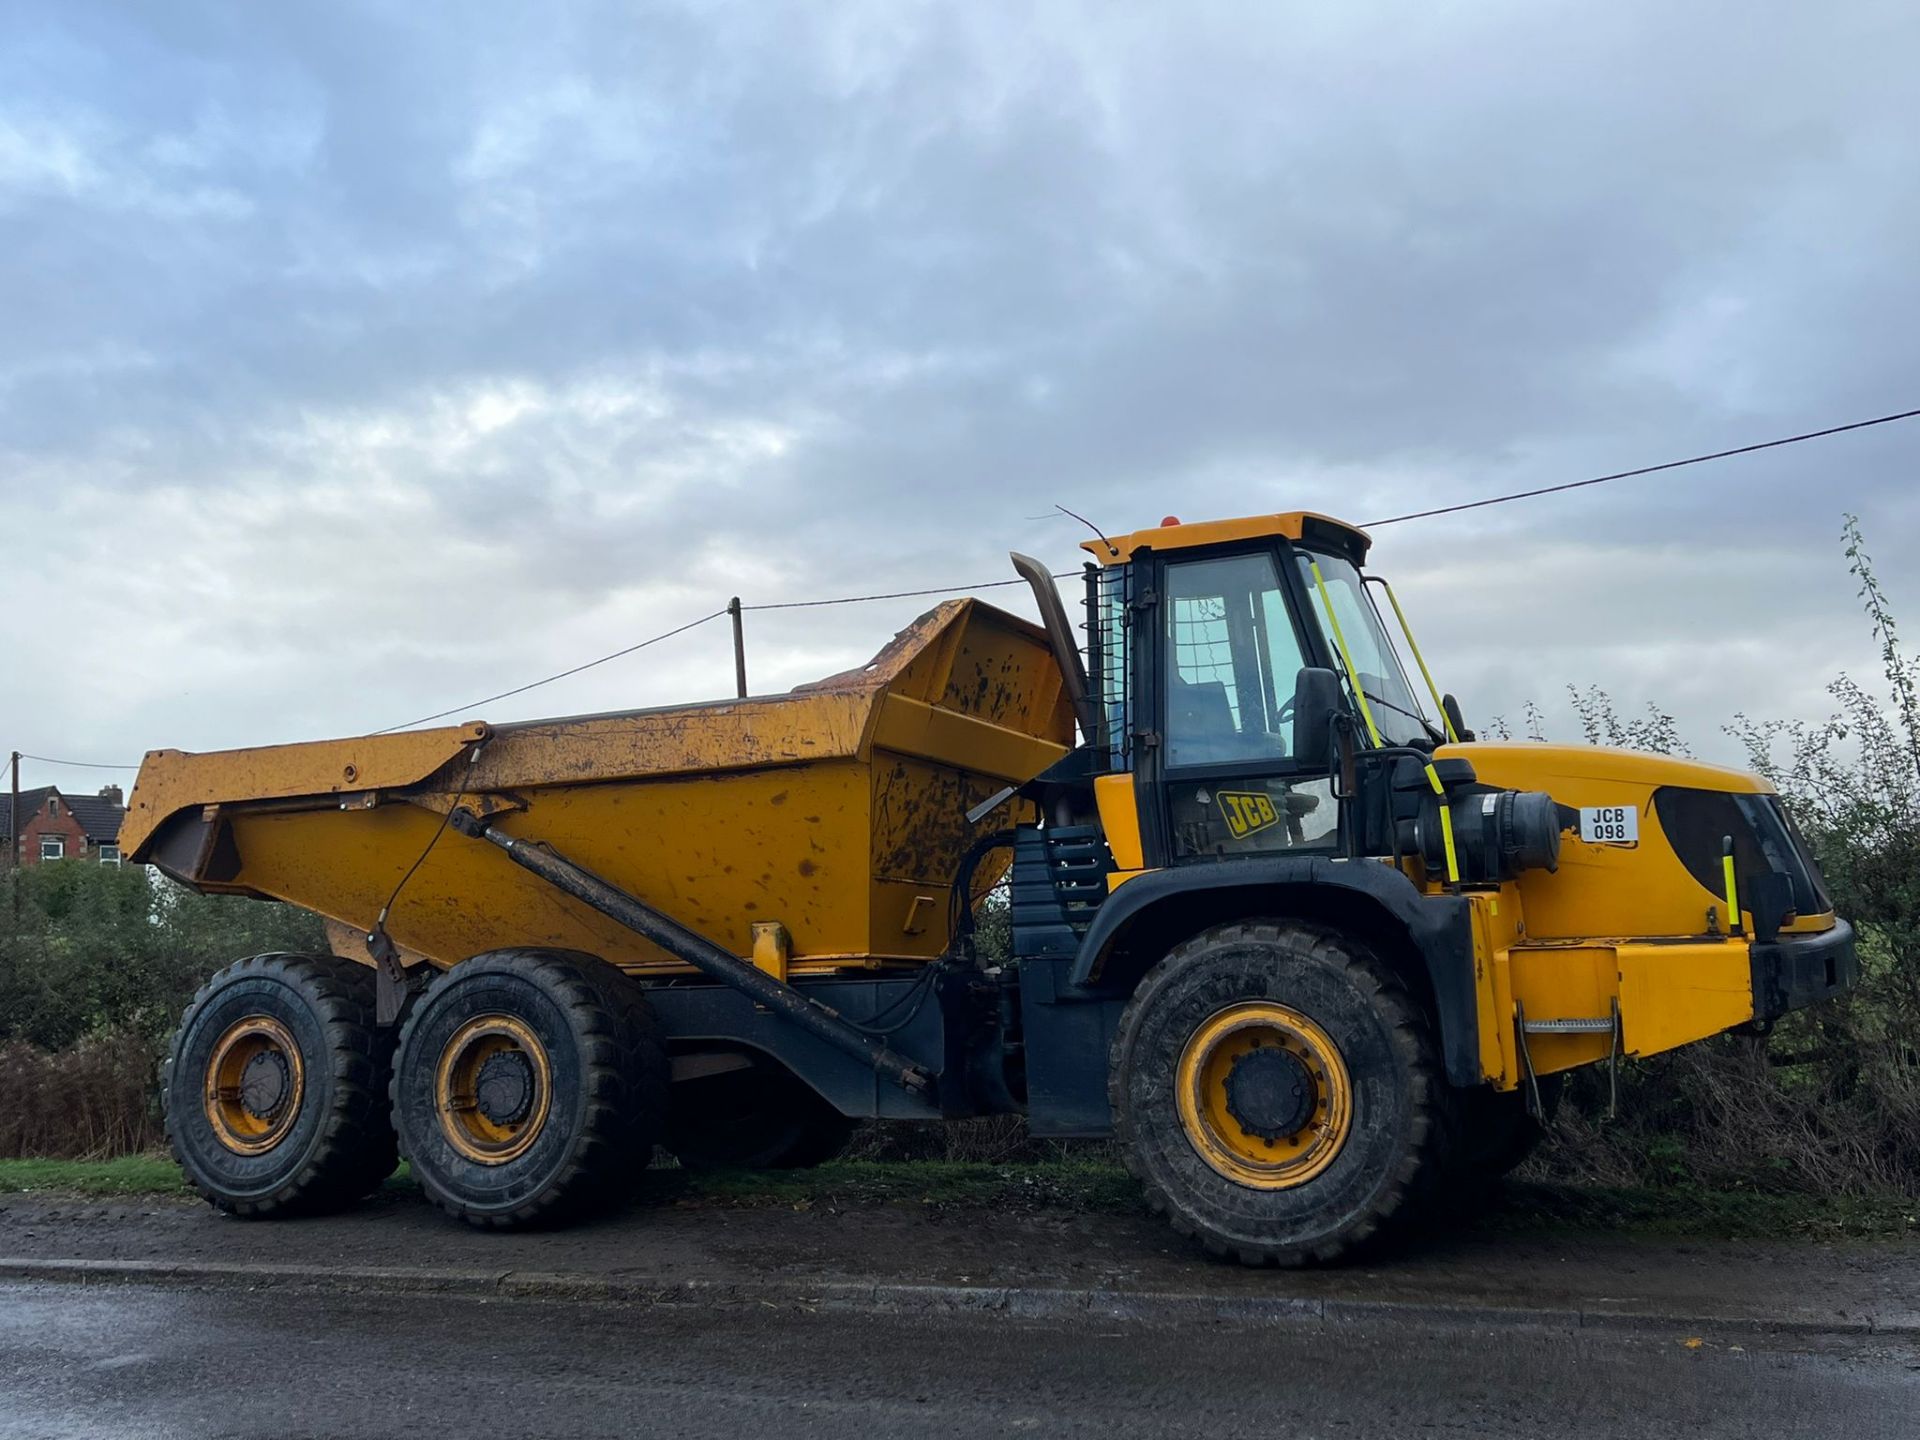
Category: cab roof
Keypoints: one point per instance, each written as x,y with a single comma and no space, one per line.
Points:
1305,526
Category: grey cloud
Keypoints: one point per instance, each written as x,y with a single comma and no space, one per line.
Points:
365,353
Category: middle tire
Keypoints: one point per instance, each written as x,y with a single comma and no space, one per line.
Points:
530,1085
760,1118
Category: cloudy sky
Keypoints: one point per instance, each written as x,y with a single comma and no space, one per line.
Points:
357,361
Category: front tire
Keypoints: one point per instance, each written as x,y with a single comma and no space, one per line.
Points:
529,1087
275,1087
1274,1089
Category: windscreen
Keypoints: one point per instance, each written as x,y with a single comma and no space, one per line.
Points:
1395,710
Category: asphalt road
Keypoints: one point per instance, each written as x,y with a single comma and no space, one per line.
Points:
135,1360
1789,1283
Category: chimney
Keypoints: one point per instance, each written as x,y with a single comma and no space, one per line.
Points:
111,793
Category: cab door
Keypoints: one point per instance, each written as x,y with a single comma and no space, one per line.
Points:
1224,655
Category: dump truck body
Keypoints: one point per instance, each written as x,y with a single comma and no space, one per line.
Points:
838,812
1311,952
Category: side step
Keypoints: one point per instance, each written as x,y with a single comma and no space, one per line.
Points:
1608,1025
1602,1026
698,951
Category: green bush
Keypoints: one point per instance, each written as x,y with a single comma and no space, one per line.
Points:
1830,1103
90,949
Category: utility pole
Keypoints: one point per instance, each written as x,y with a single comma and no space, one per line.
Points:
13,837
739,648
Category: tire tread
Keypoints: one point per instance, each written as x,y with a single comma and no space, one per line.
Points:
356,1150
1418,1168
625,1076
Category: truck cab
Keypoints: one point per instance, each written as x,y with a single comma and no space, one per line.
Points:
1280,840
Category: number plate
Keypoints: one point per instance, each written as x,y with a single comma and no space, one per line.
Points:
1610,824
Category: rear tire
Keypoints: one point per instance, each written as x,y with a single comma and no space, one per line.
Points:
530,1087
1274,1089
763,1118
275,1087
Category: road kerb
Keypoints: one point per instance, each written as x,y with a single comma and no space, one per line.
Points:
1145,1307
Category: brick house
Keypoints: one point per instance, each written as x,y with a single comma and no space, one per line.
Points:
54,826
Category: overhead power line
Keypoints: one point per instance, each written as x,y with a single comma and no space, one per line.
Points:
1643,470
562,675
996,584
690,625
74,764
889,595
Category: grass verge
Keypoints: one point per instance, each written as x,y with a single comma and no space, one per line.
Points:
152,1175
126,1175
1099,1187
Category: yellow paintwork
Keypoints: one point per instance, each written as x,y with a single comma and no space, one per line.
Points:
1120,818
1562,983
1529,764
1119,549
1674,994
772,948
1607,891
1670,993
1613,922
1563,945
171,780
1495,916
838,810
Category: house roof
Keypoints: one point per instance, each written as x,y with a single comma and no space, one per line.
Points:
30,801
99,818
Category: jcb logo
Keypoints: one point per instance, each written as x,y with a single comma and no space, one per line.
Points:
1247,812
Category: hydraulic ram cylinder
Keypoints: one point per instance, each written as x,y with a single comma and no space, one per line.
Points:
698,951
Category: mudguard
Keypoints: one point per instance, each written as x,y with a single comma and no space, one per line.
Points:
1438,927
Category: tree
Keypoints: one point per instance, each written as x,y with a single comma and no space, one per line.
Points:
90,949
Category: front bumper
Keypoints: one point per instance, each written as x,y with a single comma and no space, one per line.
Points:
1793,971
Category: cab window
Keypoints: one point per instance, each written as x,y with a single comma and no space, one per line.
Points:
1231,658
1395,709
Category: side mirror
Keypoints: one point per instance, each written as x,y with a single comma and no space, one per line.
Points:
1452,707
1317,699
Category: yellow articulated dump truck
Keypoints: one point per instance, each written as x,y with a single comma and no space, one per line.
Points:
1312,955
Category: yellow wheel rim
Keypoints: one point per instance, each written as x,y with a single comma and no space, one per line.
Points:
1264,1095
254,1083
493,1089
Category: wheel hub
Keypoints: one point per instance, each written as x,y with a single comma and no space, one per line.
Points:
1270,1093
493,1087
504,1089
265,1083
1264,1094
253,1085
